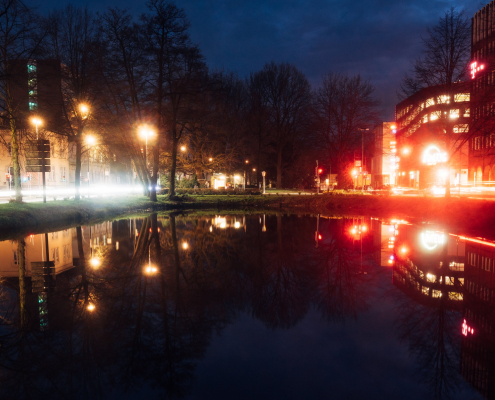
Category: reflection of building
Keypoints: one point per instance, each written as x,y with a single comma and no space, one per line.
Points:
383,160
59,247
478,343
383,241
228,221
429,265
422,120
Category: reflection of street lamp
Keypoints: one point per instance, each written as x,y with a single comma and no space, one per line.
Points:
90,141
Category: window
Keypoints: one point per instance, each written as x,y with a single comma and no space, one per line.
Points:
52,149
435,115
429,102
444,99
62,174
454,113
31,68
33,105
461,97
461,128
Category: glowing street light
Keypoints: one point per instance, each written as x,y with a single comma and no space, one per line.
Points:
150,270
247,161
185,245
84,109
254,169
146,132
183,148
406,150
210,159
95,262
36,122
91,307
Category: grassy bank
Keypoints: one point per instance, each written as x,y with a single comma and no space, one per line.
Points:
459,215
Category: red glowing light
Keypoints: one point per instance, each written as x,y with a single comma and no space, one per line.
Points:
319,237
353,231
466,329
403,250
320,171
476,68
364,228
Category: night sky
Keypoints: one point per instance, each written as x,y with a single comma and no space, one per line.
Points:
376,38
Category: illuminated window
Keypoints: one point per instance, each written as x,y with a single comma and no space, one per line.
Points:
430,102
466,112
455,296
425,290
31,68
435,115
454,114
436,293
431,278
33,105
444,99
461,97
461,128
425,118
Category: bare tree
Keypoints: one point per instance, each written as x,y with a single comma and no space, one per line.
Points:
446,53
285,98
17,45
73,37
343,107
175,65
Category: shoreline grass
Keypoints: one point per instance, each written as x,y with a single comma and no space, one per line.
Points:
457,215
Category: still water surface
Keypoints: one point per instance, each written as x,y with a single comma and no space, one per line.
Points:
255,306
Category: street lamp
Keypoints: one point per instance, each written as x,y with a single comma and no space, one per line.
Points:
146,132
210,159
90,141
183,148
84,109
36,122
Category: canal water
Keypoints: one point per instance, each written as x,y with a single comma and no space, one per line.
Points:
247,306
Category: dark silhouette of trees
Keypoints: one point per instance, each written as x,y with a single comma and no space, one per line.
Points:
343,107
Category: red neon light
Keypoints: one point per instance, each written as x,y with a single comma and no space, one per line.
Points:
476,68
474,240
466,329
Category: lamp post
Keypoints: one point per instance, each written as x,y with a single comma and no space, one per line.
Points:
90,141
146,132
263,174
36,122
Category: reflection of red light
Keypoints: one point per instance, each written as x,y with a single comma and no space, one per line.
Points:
319,237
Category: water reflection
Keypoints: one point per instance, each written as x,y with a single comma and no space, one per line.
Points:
130,305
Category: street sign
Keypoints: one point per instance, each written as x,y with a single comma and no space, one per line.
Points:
38,155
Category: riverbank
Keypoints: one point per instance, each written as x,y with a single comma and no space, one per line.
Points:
457,215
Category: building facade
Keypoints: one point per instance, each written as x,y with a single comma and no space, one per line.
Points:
482,74
423,143
383,162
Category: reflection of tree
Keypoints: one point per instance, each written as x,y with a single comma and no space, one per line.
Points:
341,290
153,329
432,329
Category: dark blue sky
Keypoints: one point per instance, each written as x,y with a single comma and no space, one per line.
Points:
376,38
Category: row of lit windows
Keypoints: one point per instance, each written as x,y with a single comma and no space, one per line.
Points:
443,99
485,263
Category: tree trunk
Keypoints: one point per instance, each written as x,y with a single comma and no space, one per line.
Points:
279,168
171,191
154,176
15,161
78,167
